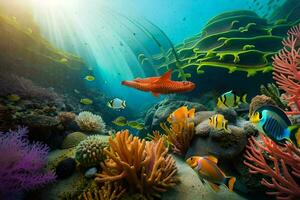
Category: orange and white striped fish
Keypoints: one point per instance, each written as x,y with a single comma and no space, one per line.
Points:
207,168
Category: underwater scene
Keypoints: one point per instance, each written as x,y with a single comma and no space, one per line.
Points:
149,99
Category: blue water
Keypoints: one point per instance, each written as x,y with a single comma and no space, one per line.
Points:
109,35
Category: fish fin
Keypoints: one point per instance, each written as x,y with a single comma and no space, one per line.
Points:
229,183
165,77
155,94
191,113
123,104
294,134
276,110
212,158
215,187
243,99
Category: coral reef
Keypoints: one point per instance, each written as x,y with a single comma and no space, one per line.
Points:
272,91
89,152
150,171
260,100
73,139
286,69
22,163
25,88
66,118
90,122
180,133
109,191
280,163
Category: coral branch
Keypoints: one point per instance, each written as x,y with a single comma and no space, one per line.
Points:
145,166
285,170
286,69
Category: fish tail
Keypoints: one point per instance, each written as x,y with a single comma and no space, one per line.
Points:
123,104
243,99
229,182
294,134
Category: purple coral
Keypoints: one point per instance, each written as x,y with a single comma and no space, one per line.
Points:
21,163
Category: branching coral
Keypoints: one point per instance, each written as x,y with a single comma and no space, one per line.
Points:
87,121
180,133
286,162
21,164
25,88
145,166
287,69
109,191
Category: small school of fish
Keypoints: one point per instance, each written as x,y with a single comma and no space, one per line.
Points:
208,169
219,122
122,121
160,85
273,122
230,99
116,104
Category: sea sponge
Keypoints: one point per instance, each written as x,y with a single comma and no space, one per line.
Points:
88,121
260,100
73,139
89,152
66,117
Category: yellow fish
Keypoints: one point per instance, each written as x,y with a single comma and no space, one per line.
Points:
136,125
13,97
207,169
181,115
231,100
89,78
218,122
64,60
120,121
86,101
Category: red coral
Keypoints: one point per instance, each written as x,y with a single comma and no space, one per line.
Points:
287,69
286,170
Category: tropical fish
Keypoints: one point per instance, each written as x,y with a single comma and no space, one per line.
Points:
160,85
229,99
207,169
76,91
89,78
120,121
13,97
86,101
64,60
136,125
116,104
218,122
181,115
273,122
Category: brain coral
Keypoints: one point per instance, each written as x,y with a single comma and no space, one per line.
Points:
88,121
89,152
73,139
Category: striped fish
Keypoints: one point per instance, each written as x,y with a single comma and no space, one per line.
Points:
231,100
218,122
273,122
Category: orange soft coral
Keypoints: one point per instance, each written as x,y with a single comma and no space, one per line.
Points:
145,166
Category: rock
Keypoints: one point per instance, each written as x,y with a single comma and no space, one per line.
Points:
65,168
160,112
229,114
192,188
73,139
221,144
203,115
90,173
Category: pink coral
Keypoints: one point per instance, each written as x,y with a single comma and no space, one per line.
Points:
287,69
286,162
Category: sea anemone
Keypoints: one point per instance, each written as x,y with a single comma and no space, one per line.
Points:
90,122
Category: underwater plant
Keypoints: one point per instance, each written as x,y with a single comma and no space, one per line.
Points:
181,130
272,91
90,122
145,166
89,152
280,163
22,164
286,69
